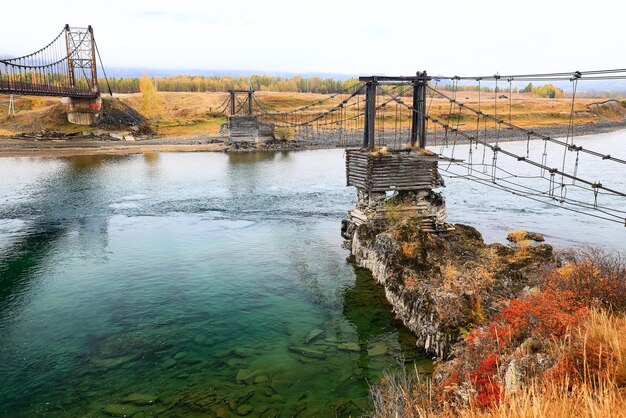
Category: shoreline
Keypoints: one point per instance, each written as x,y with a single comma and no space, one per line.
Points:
55,147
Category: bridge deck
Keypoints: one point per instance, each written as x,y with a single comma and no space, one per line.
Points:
45,90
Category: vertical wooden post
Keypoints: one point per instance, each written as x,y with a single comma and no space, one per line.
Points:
232,102
422,111
418,121
369,138
250,102
415,109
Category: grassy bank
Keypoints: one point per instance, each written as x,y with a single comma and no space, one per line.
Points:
556,350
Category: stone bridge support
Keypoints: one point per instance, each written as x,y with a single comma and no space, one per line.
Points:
84,111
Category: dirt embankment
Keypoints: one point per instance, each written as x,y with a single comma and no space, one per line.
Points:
189,122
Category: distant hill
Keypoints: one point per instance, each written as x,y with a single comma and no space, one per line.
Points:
155,72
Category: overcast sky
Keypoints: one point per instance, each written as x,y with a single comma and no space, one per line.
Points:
334,36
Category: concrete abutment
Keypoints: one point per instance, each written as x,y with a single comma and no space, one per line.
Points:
84,111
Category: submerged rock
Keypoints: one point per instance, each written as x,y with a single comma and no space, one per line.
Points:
261,379
140,399
377,350
245,376
116,410
200,339
113,363
244,410
354,347
242,352
169,363
271,413
315,333
222,412
308,352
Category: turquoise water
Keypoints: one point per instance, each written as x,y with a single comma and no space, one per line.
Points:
185,285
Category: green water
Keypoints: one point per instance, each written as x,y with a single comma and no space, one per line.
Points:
185,278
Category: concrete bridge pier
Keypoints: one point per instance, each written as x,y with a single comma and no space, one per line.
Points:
84,111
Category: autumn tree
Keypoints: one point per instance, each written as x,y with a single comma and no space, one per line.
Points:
547,91
150,102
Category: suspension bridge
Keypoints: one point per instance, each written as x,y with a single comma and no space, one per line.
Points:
389,118
65,67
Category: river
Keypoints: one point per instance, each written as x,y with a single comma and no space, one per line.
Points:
181,280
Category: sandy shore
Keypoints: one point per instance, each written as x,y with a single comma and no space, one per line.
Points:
43,147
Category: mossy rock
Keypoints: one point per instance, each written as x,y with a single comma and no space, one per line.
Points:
140,399
117,410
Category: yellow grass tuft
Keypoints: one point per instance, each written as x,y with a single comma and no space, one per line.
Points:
380,151
517,235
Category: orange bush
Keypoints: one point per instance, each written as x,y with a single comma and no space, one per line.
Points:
583,350
597,280
546,315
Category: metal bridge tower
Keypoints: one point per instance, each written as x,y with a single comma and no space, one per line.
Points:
81,60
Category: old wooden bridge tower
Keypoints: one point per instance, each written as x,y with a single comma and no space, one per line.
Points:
395,184
242,124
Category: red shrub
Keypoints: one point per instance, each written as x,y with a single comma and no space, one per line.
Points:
485,381
548,314
543,315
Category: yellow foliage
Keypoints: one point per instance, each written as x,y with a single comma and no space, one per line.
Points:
284,133
476,314
151,106
37,102
517,235
450,276
547,91
523,247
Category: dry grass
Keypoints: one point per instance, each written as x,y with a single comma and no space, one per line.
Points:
36,114
517,235
597,393
190,112
380,151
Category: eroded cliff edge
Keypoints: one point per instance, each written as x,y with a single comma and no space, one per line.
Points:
442,283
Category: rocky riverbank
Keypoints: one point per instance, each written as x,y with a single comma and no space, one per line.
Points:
442,283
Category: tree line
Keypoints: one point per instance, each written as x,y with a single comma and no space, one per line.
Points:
187,83
299,84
